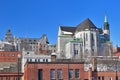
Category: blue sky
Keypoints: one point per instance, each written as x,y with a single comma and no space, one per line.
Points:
32,18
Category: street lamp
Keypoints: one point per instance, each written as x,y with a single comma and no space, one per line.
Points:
19,56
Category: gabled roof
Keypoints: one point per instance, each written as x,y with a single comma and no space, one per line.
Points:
86,24
68,28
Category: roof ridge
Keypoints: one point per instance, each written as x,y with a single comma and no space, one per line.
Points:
87,23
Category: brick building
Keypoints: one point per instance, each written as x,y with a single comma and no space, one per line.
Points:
56,70
116,51
70,69
109,74
65,71
103,75
10,65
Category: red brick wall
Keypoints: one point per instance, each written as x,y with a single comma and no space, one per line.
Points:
40,51
9,56
31,70
12,76
108,74
116,54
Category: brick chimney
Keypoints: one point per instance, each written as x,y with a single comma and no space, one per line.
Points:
94,68
90,74
94,63
53,57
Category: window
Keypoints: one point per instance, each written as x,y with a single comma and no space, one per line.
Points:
102,77
30,60
59,74
75,46
77,73
15,78
27,52
111,78
52,74
43,60
40,74
46,60
35,60
92,38
98,77
38,60
86,37
92,78
75,52
70,73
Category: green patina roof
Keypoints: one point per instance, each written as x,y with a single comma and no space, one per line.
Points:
104,40
65,35
75,40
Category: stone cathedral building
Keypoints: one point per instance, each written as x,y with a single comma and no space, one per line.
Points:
84,40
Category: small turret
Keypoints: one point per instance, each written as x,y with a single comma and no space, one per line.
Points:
9,36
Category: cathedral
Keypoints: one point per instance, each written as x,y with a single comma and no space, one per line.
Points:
84,40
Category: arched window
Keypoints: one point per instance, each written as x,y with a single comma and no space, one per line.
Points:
86,36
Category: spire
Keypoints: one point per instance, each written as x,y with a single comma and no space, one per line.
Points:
106,20
106,23
106,28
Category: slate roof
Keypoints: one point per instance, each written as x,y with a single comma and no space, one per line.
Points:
68,28
86,24
29,40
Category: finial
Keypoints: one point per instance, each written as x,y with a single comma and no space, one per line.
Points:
106,19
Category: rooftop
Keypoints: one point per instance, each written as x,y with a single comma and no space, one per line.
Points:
86,24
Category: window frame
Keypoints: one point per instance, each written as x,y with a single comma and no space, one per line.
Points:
59,71
77,74
52,74
70,73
